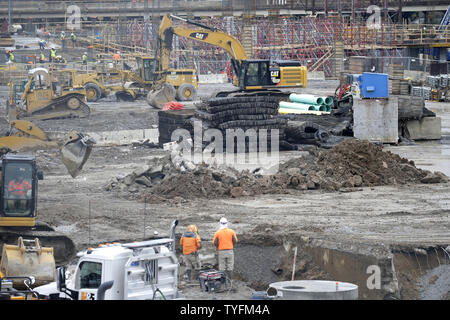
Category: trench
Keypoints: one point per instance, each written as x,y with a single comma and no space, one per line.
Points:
405,273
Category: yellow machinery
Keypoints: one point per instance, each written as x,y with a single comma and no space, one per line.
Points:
48,95
28,257
255,76
134,84
19,177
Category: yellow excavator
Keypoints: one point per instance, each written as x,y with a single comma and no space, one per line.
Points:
253,76
39,247
48,95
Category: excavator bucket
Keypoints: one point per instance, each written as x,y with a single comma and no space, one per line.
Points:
28,258
157,98
75,151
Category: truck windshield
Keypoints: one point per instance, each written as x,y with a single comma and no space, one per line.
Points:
90,275
18,189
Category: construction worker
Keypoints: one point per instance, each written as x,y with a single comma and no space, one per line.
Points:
84,58
73,37
42,57
42,44
18,189
52,55
10,55
116,58
224,240
63,39
191,243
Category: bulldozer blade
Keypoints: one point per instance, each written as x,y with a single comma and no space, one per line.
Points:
76,151
157,98
30,259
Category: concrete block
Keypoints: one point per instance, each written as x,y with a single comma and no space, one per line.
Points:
376,120
124,137
427,128
212,78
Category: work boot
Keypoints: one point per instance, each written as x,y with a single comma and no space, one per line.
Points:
188,273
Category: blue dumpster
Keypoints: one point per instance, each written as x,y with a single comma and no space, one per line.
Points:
374,85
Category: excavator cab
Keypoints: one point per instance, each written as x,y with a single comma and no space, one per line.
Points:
19,177
266,74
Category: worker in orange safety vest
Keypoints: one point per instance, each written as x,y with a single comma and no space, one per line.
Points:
224,240
191,243
18,189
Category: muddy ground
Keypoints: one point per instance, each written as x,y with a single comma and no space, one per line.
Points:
364,220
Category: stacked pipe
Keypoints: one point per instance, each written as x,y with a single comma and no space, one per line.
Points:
306,103
248,112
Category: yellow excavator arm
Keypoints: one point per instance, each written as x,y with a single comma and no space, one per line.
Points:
252,74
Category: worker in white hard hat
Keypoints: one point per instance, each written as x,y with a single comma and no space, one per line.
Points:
224,240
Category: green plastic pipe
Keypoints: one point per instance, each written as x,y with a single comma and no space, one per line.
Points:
328,100
306,98
298,106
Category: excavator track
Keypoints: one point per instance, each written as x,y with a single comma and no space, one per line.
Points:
63,247
69,106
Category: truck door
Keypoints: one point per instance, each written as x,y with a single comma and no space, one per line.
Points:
88,279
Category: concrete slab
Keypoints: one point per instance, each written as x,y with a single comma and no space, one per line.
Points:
428,128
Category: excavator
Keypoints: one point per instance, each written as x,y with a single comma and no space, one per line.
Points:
47,95
18,205
253,76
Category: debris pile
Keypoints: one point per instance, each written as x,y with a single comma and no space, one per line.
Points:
350,164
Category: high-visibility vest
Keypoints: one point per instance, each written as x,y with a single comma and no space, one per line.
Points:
225,237
11,56
19,189
190,241
84,58
42,57
53,53
73,37
63,36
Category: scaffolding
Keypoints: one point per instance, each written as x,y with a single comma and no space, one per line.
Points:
309,39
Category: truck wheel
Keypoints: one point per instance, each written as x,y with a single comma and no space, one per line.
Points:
186,92
93,92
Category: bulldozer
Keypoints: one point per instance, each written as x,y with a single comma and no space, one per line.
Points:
19,176
47,95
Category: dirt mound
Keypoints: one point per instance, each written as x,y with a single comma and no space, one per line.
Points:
352,163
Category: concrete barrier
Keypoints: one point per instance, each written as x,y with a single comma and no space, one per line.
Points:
212,78
427,128
116,138
376,120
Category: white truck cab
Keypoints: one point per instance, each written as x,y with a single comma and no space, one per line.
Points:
146,270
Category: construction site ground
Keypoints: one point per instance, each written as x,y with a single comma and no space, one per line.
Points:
332,230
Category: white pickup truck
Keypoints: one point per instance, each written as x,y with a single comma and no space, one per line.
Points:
146,270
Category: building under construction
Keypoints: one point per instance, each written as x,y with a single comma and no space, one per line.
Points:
320,34
163,114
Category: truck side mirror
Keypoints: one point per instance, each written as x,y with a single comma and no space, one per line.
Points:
40,175
61,278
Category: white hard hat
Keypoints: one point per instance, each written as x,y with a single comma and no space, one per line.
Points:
223,220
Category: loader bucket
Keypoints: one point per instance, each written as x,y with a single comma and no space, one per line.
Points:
157,98
75,151
28,259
